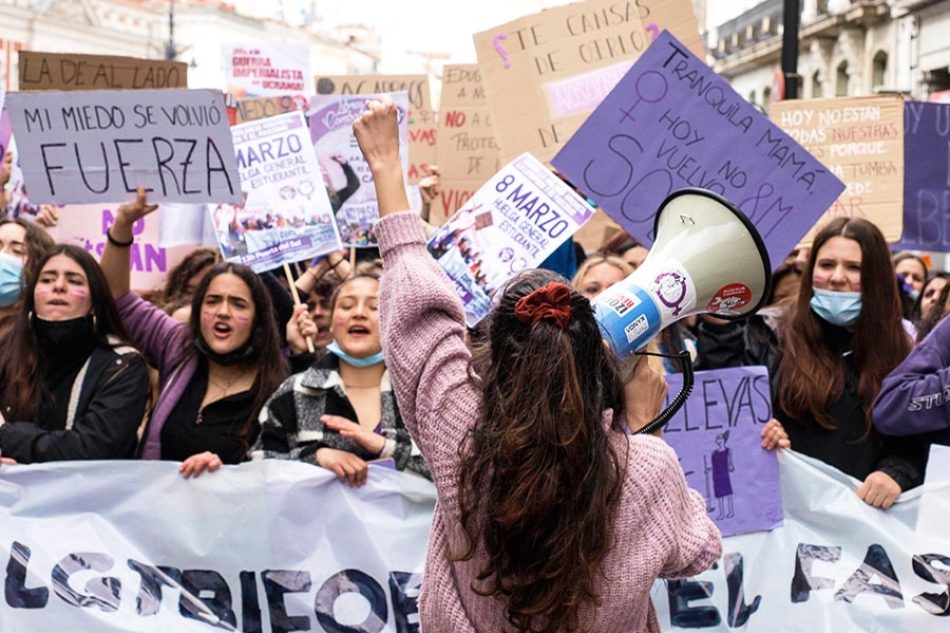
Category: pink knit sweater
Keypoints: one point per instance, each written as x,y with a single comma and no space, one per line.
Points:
662,529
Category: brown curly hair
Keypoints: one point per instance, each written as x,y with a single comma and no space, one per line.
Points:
540,483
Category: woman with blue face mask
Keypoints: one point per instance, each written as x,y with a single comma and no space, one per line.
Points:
20,243
341,413
833,349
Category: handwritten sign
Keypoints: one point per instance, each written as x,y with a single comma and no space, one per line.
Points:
94,147
56,71
267,69
673,123
861,140
518,218
149,261
716,436
466,152
926,176
422,117
286,216
348,179
256,108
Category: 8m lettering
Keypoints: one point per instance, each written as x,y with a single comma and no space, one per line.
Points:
173,162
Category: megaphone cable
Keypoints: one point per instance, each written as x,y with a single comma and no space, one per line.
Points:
677,403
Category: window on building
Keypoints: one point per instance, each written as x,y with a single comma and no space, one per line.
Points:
879,70
841,80
817,91
752,97
766,98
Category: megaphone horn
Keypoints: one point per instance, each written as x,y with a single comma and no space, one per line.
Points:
708,258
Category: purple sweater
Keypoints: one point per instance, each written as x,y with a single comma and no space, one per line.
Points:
662,529
915,397
164,342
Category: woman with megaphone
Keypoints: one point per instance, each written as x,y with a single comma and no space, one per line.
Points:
550,517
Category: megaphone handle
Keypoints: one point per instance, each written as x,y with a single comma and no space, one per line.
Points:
677,403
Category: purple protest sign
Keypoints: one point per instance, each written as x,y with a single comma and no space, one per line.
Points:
6,131
926,176
716,436
672,123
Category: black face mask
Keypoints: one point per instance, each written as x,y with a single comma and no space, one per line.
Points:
66,337
246,352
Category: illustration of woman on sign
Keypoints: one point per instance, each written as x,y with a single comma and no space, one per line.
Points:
721,468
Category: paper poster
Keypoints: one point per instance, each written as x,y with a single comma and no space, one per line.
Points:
717,438
149,260
672,123
346,174
72,71
422,117
286,216
467,153
189,224
861,141
255,108
926,177
267,69
95,147
518,218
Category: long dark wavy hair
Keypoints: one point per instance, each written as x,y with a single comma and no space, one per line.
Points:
540,482
176,286
22,365
272,367
811,375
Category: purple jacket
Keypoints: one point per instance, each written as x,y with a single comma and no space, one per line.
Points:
164,342
915,397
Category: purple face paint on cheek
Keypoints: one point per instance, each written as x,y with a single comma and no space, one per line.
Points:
242,320
207,316
79,294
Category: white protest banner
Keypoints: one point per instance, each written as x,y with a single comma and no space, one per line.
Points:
267,69
187,224
286,216
348,179
513,222
103,547
149,260
270,546
99,146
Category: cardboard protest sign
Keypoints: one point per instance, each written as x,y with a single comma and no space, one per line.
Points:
150,262
267,69
518,218
347,176
94,147
926,176
256,108
544,73
673,123
466,153
72,71
422,117
717,438
861,141
286,215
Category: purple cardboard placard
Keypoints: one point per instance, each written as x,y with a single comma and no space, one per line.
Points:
673,123
926,177
716,436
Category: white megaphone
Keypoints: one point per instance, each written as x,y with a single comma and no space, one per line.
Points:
708,258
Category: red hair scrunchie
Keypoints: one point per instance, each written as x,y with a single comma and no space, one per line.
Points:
551,301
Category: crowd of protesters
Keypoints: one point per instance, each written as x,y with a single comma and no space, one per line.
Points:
220,367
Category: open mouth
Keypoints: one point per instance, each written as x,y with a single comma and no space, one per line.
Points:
62,303
358,330
221,330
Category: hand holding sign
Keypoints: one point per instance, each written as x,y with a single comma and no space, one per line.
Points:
130,213
377,132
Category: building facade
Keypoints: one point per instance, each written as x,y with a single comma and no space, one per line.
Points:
846,47
140,28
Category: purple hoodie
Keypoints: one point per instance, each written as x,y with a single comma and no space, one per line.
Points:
164,342
915,397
